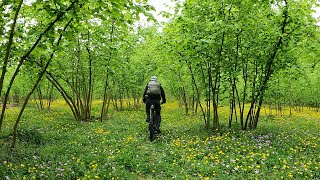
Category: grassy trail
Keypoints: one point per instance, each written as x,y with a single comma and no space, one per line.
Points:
54,146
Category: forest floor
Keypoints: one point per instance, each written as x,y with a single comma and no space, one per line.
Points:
51,145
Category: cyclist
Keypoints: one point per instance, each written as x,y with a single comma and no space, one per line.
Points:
153,93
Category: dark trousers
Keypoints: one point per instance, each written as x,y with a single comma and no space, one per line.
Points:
156,104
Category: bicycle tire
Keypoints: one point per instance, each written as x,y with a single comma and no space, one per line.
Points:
151,123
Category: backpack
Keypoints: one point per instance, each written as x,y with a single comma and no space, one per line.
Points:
154,88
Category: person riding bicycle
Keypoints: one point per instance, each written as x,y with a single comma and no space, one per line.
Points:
153,93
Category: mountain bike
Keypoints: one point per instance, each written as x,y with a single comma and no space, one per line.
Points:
152,123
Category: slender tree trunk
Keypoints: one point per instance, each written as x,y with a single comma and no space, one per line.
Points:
80,88
106,84
103,109
256,118
40,98
33,89
197,91
24,57
216,87
269,69
25,104
50,98
184,97
232,101
8,49
183,93
71,103
193,99
231,94
89,95
231,107
208,98
253,93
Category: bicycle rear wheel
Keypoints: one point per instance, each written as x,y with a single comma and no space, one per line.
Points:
152,123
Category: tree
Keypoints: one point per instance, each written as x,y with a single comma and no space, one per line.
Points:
43,33
241,45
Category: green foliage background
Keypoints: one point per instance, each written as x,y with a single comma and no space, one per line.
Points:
229,64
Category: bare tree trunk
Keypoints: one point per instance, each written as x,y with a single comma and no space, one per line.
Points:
208,95
269,70
106,84
232,104
40,98
184,98
71,103
103,110
8,49
193,100
89,95
33,89
50,97
183,93
24,57
241,106
198,93
256,118
25,104
216,87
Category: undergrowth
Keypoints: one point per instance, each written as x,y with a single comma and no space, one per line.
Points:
52,145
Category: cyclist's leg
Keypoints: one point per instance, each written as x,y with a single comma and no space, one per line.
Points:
148,104
158,111
159,118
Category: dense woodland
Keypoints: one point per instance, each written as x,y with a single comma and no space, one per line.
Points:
240,54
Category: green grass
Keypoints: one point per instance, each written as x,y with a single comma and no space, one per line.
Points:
52,145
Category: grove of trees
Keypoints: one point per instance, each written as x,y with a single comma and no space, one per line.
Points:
232,50
238,53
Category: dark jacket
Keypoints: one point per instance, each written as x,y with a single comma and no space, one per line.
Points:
154,97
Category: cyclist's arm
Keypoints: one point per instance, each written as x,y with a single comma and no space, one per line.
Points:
144,98
163,95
